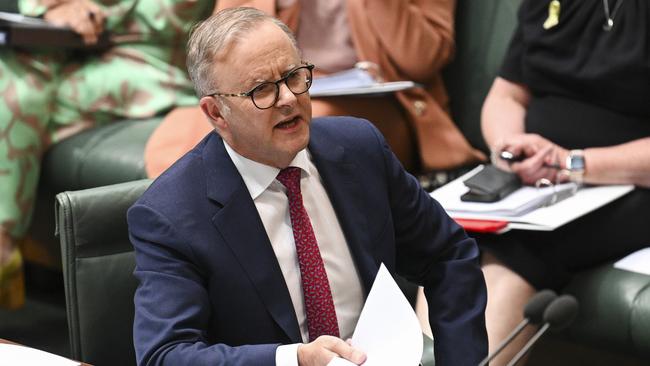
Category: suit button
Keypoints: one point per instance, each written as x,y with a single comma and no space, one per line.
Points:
419,106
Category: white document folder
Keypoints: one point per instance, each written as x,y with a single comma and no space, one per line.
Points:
546,217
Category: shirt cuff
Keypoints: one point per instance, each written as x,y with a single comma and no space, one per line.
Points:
287,355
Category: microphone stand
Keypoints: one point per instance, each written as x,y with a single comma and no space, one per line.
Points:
533,314
558,315
529,344
505,342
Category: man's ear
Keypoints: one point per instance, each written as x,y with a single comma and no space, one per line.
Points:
212,110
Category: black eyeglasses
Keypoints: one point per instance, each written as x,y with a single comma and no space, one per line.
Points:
265,95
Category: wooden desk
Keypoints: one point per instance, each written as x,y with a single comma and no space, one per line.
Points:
10,342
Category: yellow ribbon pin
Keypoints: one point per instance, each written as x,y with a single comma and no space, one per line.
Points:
553,14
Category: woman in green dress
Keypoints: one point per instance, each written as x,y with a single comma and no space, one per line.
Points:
48,95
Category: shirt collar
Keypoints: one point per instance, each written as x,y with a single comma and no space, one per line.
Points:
257,176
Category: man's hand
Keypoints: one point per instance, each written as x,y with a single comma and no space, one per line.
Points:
83,16
321,351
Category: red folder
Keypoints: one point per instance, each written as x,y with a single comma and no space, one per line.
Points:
483,226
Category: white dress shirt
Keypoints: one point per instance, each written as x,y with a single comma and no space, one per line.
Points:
270,198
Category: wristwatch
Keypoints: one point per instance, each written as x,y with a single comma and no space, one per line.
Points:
575,165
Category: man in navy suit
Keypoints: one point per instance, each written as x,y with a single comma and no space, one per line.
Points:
220,238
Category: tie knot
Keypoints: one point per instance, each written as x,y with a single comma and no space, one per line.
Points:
290,178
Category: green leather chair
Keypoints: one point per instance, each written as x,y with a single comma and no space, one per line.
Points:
614,311
98,264
483,31
93,158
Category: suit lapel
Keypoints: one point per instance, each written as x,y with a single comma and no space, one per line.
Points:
242,229
345,190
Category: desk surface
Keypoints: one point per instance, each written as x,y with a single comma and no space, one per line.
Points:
10,342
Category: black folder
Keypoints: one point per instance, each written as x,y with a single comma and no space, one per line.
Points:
34,33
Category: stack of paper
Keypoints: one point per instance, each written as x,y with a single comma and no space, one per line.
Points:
529,208
515,204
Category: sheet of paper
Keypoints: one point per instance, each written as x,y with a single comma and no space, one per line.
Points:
388,329
638,261
354,82
11,354
352,78
585,200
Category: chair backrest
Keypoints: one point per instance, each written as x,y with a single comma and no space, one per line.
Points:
98,264
483,32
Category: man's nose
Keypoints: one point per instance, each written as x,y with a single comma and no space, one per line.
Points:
285,95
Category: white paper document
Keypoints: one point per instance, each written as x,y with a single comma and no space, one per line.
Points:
12,354
388,330
638,261
529,208
354,82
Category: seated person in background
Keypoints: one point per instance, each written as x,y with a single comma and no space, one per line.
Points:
406,40
47,95
573,93
234,268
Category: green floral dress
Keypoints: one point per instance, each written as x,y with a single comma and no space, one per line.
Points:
46,96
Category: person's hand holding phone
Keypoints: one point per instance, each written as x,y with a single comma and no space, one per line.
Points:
531,157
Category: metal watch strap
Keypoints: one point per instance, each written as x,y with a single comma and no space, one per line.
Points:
575,164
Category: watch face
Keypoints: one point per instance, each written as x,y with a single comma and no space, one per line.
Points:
577,163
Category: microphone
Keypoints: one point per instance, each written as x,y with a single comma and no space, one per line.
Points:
533,314
559,315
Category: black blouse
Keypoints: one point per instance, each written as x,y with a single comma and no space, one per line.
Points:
589,86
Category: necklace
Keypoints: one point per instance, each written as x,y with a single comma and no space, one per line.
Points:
609,19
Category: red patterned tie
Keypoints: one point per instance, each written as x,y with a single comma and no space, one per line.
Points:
319,306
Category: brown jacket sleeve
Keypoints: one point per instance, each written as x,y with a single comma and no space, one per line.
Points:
417,35
289,15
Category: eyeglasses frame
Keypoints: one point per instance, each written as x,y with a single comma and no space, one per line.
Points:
305,65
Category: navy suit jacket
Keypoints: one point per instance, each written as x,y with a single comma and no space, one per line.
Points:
211,291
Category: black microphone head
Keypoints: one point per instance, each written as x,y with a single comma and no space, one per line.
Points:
561,312
534,310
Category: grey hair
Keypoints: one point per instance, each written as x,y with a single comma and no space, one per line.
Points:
211,37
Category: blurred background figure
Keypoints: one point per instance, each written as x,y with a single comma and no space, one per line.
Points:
573,92
396,40
47,95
